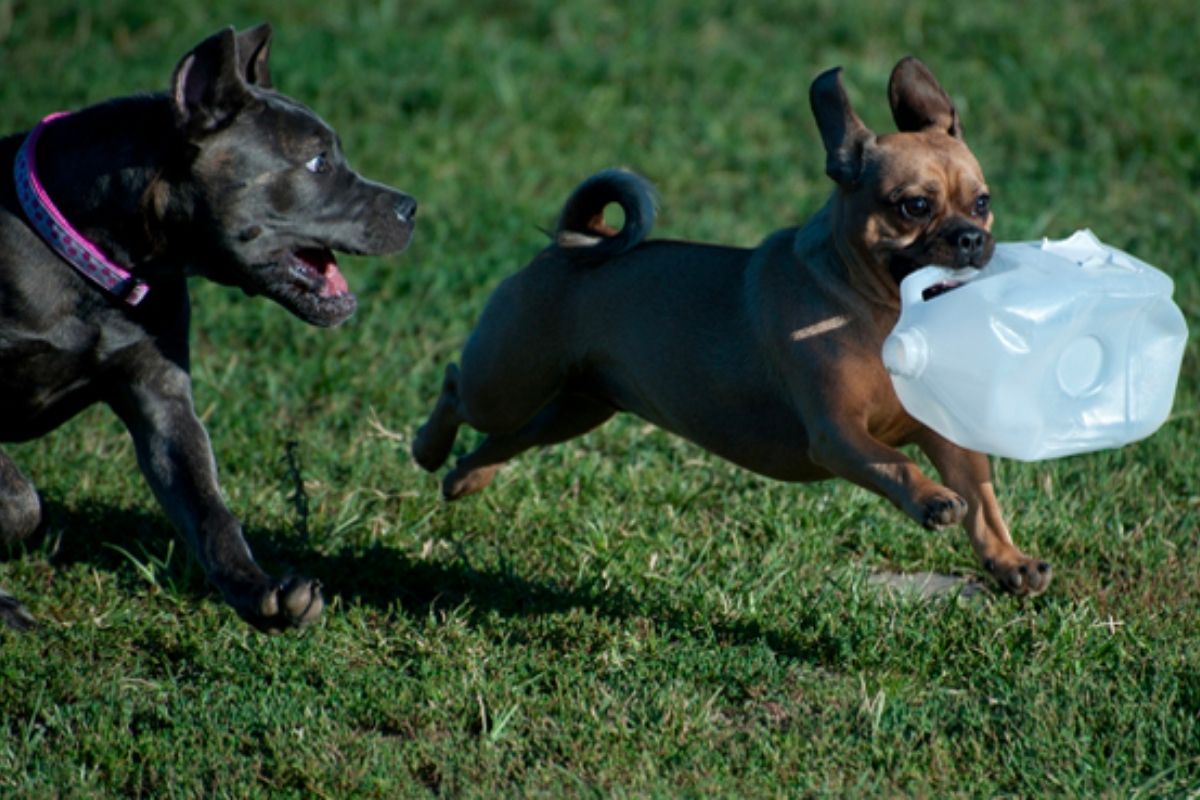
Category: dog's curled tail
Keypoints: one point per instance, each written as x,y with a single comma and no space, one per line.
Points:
581,228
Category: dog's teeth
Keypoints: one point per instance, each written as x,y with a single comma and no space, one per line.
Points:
305,277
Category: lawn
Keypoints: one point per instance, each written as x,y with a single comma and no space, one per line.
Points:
623,615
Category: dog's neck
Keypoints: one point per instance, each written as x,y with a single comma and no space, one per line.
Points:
830,231
102,167
58,232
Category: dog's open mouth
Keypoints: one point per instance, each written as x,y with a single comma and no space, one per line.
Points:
307,282
315,270
930,292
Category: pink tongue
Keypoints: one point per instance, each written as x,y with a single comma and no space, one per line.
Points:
326,264
335,284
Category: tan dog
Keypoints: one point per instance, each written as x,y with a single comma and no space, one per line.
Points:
769,357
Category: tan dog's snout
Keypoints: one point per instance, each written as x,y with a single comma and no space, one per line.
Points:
973,246
958,244
965,245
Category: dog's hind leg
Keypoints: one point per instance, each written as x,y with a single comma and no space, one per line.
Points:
507,375
565,417
20,516
433,441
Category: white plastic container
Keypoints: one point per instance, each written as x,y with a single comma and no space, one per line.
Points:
1052,349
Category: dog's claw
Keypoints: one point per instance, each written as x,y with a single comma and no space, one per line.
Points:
293,603
943,511
302,600
1021,576
463,480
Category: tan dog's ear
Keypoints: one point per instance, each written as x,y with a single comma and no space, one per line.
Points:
918,101
843,133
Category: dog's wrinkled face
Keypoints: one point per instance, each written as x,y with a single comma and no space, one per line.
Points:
272,176
911,198
931,204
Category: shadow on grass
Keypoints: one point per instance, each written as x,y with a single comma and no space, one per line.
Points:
387,580
116,540
127,542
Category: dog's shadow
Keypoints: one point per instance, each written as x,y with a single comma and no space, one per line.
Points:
137,546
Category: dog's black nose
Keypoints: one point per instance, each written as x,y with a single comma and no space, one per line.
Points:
970,244
405,208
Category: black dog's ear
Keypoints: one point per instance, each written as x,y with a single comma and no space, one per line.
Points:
208,88
844,134
918,101
254,48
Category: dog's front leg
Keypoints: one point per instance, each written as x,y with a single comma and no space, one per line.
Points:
969,474
176,457
844,446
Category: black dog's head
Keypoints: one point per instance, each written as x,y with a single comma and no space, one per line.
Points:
271,175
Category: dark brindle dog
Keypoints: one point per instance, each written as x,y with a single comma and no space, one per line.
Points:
105,213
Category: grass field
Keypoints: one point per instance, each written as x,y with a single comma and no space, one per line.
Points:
623,615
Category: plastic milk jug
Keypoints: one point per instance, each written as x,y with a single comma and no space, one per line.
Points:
1054,348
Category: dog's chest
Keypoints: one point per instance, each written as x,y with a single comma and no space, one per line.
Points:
887,420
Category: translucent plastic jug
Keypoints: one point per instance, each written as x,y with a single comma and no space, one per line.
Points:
1052,349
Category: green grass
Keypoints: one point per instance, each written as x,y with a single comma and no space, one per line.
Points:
623,615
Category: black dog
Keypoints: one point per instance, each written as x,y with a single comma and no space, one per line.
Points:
222,177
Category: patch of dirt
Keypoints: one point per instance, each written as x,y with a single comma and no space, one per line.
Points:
928,584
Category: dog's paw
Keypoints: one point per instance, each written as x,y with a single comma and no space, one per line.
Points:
943,509
460,482
14,615
429,449
21,511
291,604
1019,574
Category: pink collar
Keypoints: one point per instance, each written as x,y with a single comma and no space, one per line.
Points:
53,227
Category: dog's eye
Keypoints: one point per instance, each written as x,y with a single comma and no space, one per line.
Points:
914,207
983,205
317,164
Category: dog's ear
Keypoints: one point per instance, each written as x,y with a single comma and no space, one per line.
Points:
254,48
845,136
918,101
208,87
